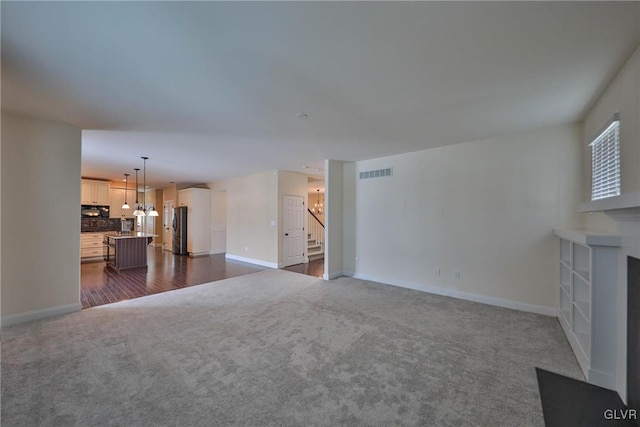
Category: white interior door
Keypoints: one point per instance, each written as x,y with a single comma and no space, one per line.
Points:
167,217
293,226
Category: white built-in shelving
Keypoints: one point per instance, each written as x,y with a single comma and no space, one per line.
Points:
587,301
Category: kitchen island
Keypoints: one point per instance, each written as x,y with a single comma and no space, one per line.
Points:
125,251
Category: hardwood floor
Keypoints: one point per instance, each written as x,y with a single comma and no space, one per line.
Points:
312,268
166,272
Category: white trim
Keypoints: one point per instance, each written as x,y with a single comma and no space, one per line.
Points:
589,237
14,319
217,252
198,254
252,261
623,201
437,290
332,276
602,379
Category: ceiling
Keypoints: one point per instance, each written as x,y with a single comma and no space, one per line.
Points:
212,90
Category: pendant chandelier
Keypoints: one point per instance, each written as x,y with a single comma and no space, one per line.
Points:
318,207
126,181
138,211
152,211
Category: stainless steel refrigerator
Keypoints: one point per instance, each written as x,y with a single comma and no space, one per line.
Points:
180,230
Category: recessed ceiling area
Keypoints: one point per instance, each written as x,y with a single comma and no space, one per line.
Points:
213,90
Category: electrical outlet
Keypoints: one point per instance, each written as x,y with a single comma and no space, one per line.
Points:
437,272
457,274
246,248
357,259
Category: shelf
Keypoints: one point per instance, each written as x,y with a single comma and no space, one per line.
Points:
584,340
580,323
582,260
565,251
565,276
565,288
584,275
564,294
588,269
581,289
583,308
589,238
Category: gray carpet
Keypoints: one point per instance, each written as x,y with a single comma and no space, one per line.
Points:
280,348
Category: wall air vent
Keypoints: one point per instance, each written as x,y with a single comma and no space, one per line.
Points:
379,173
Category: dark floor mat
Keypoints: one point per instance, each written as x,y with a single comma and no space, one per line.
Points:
567,403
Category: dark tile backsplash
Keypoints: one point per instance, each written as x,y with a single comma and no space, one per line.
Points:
97,225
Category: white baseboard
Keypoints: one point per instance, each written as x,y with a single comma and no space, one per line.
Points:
14,319
332,276
499,302
198,254
252,261
602,379
217,252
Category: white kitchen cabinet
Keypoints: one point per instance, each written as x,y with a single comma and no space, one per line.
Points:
95,192
91,246
588,269
198,203
117,199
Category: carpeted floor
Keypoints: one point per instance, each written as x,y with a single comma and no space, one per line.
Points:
280,348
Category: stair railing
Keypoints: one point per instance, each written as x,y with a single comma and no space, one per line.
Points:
316,229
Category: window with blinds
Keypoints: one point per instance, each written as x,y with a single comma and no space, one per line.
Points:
605,162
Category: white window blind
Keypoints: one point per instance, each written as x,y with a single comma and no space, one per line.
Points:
605,162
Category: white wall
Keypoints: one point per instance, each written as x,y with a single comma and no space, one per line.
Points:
623,96
485,209
218,222
40,252
290,184
252,208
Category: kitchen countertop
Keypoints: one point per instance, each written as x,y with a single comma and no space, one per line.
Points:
114,235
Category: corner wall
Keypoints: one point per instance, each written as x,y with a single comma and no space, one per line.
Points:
484,209
40,263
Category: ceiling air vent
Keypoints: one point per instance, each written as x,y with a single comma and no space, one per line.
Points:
378,173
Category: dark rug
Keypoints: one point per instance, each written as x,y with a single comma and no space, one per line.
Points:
567,402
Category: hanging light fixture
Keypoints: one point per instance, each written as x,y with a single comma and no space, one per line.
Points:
317,208
152,211
126,181
137,212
